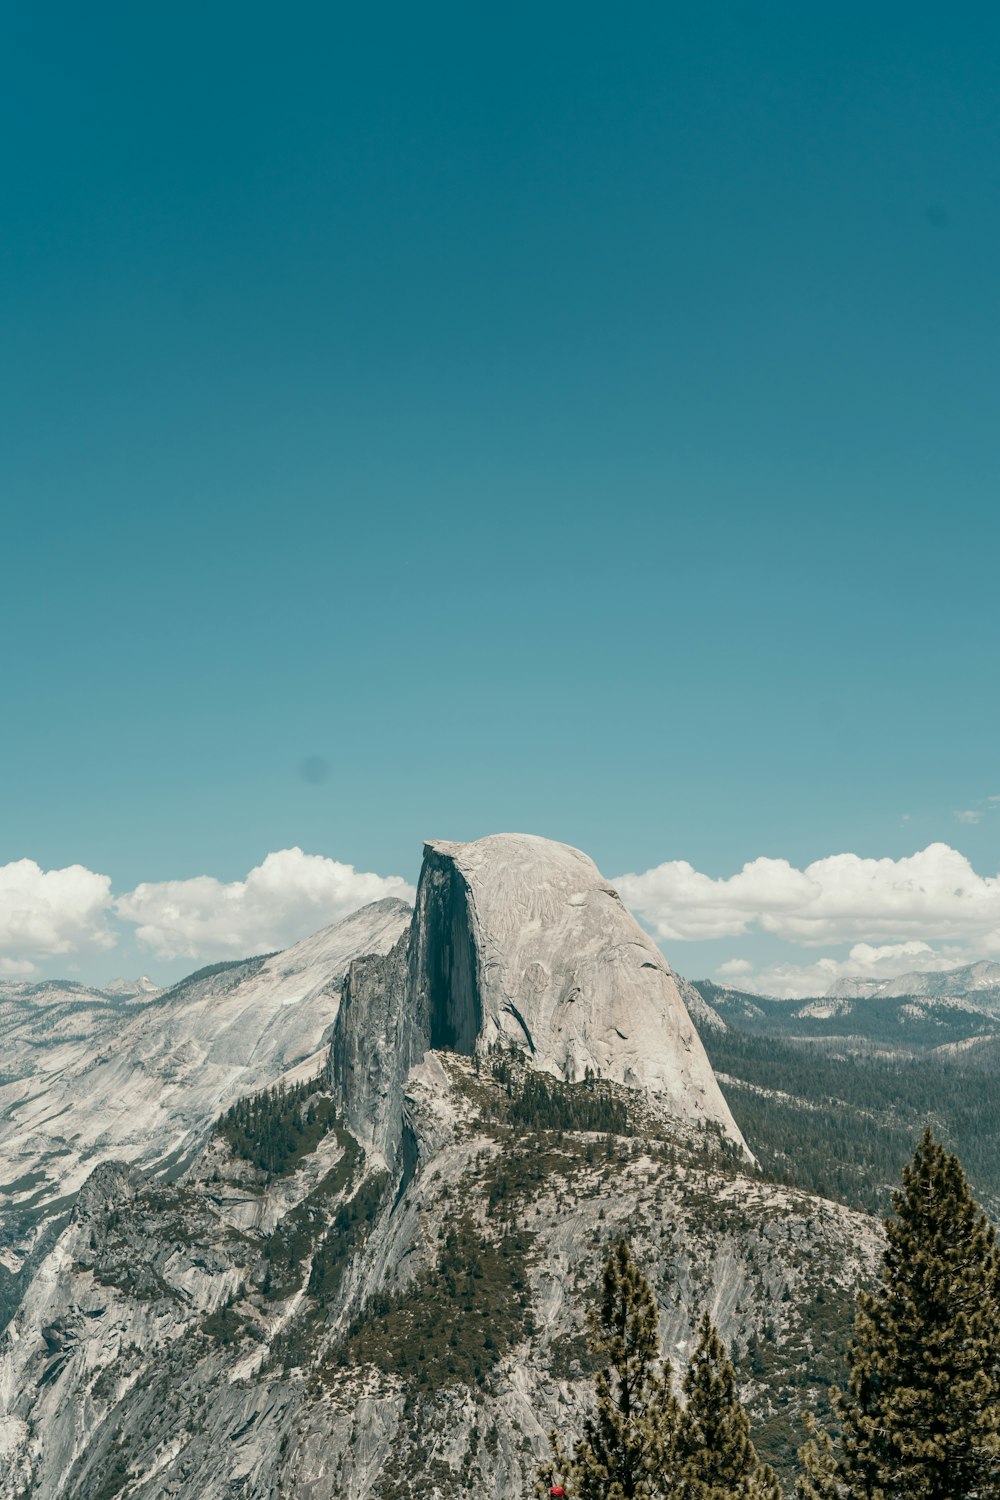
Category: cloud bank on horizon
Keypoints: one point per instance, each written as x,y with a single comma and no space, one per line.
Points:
891,910
45,914
930,910
48,913
284,898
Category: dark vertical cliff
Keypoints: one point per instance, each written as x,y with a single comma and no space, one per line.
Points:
423,994
444,964
519,940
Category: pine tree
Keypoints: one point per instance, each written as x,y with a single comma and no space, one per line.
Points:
715,1457
627,1442
921,1417
817,1479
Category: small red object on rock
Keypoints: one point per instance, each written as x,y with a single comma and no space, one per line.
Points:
557,1492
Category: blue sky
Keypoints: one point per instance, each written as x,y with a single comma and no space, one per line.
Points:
423,423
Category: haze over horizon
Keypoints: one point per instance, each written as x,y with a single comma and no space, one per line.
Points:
427,425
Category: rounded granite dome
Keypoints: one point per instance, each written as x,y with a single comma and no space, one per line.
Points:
521,938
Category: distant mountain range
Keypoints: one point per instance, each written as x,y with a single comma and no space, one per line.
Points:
54,991
934,1009
833,1089
978,983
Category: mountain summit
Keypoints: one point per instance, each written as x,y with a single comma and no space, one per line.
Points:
519,941
364,1269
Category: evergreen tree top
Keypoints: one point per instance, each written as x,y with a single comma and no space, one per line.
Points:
638,1443
718,1460
921,1417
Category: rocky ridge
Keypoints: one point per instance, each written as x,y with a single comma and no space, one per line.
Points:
401,1307
977,983
181,1342
91,1079
521,942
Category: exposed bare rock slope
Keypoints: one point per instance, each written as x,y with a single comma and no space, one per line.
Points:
521,941
390,1297
85,1081
334,1334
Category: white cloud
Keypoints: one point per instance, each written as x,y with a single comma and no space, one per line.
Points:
932,896
734,968
284,898
48,913
968,815
18,968
929,910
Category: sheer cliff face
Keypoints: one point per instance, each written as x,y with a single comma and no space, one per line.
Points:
521,940
374,1045
144,1084
559,967
228,1333
445,959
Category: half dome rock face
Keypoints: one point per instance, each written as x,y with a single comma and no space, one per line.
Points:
520,939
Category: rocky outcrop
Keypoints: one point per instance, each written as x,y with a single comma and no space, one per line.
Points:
704,1016
86,1081
520,941
173,1346
337,1330
374,1045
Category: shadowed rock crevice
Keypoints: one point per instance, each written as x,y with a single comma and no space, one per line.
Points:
519,941
444,958
424,993
512,1010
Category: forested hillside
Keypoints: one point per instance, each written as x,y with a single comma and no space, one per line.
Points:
838,1111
